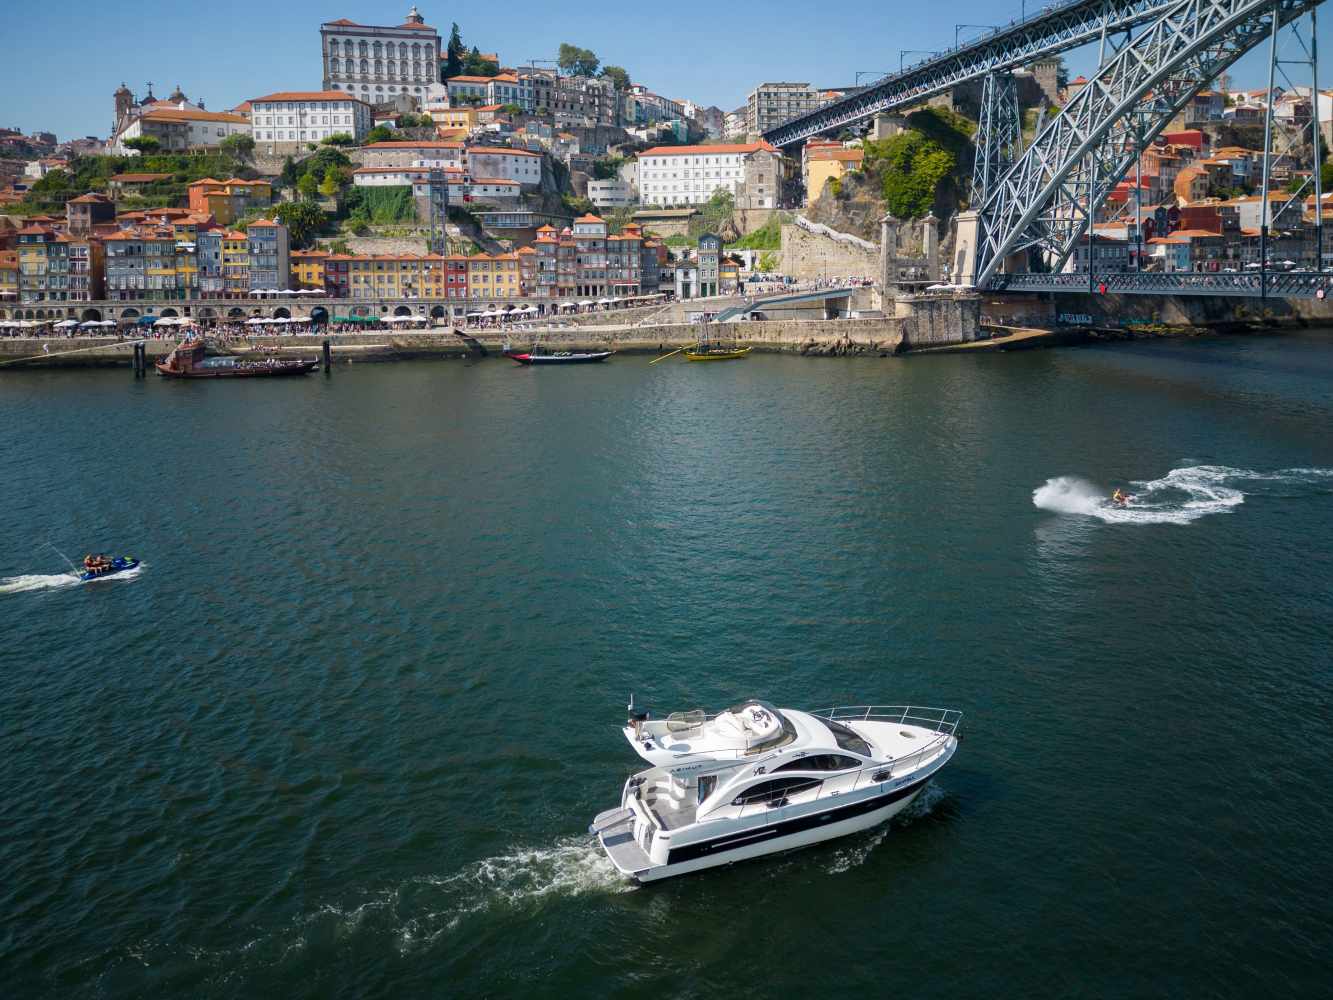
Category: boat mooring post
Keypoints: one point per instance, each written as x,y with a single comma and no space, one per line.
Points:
138,363
328,368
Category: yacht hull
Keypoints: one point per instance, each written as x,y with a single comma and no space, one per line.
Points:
790,833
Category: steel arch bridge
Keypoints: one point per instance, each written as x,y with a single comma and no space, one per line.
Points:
1046,197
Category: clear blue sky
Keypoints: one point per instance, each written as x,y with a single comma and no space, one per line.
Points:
70,57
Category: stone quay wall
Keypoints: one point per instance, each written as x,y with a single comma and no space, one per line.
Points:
808,256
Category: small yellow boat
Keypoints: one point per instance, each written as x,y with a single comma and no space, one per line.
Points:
716,354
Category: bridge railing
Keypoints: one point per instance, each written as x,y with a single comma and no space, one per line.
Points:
1247,284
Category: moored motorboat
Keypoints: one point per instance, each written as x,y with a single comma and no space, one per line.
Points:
188,360
757,780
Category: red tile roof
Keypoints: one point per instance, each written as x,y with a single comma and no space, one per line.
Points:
308,95
495,149
749,147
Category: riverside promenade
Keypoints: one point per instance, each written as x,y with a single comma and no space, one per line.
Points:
928,324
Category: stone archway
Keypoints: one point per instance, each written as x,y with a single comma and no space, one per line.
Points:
403,311
236,313
319,316
91,315
41,314
129,313
438,312
282,312
168,312
208,312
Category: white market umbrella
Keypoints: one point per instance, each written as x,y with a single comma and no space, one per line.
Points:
91,322
586,302
107,322
604,302
256,321
65,324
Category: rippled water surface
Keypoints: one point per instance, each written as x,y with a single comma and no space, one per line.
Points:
344,731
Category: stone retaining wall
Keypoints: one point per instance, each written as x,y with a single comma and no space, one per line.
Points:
809,256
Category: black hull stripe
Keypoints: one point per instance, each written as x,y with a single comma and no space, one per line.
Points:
734,842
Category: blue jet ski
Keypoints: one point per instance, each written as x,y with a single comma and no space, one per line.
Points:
96,567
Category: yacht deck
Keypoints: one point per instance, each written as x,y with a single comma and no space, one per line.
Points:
618,840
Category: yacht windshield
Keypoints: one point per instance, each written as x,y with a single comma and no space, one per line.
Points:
847,739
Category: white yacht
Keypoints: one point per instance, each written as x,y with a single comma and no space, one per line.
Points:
757,780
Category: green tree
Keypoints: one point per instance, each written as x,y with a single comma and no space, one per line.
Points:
238,145
617,75
308,185
338,139
303,219
455,52
144,144
474,64
576,61
339,246
288,176
332,181
511,109
381,133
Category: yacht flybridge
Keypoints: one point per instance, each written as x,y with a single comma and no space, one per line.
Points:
757,780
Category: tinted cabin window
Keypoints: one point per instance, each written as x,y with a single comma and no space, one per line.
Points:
820,762
770,791
847,739
706,785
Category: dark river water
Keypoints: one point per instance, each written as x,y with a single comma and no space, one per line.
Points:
344,731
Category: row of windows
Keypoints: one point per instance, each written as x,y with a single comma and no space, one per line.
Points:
268,106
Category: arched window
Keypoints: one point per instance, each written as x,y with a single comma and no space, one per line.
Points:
365,68
365,49
379,50
392,68
333,65
379,67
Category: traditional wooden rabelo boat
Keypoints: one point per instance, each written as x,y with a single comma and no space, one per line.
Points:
531,357
715,352
188,361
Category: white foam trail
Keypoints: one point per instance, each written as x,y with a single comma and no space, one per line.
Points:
26,584
23,584
1181,496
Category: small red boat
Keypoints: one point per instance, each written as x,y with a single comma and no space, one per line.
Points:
188,361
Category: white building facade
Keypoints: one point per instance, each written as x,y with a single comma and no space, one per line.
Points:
672,176
376,63
611,194
288,121
496,163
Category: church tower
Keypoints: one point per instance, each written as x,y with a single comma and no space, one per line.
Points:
124,103
414,16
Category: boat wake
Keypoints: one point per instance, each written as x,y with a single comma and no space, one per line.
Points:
55,581
24,584
573,866
856,850
1179,497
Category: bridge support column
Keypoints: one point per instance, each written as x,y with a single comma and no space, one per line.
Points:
889,228
967,234
930,245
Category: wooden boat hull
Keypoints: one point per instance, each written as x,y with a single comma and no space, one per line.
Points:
559,359
717,355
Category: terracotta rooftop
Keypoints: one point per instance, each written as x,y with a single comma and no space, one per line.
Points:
749,147
307,95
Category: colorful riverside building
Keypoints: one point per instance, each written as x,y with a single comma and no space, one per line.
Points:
584,261
235,264
9,276
226,201
270,255
54,267
308,269
493,276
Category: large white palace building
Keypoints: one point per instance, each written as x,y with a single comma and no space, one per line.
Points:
378,63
